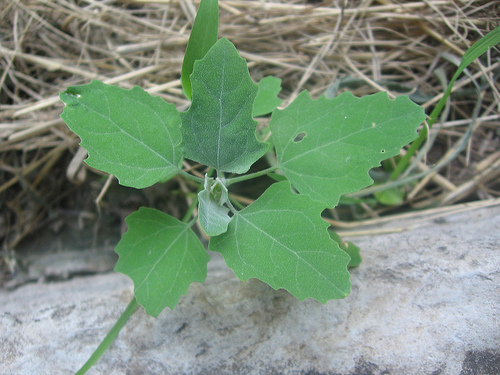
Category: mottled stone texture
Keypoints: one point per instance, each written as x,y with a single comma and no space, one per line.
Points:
424,301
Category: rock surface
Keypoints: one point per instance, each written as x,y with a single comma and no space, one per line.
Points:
424,301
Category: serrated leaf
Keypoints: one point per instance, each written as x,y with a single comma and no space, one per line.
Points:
212,213
326,147
128,133
218,129
282,240
267,99
163,256
203,37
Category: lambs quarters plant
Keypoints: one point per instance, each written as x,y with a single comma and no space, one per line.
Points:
323,149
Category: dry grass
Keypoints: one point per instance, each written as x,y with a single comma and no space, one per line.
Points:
46,46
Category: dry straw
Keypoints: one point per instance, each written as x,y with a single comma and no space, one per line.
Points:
364,46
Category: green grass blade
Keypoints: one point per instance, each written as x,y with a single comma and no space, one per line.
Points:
203,37
480,47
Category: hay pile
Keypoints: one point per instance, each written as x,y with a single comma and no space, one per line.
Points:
363,46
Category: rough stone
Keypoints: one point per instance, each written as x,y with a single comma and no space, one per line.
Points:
424,301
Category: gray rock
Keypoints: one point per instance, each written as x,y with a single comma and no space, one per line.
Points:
424,301
63,265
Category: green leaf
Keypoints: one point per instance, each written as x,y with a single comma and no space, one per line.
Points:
326,147
212,214
203,37
267,99
277,177
351,249
163,256
128,133
218,130
282,240
391,196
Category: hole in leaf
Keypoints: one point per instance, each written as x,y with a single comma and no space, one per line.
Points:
383,151
299,137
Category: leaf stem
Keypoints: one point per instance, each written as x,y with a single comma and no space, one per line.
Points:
111,336
234,202
245,177
191,177
190,210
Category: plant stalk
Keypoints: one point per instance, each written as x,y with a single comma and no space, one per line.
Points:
110,337
189,176
245,177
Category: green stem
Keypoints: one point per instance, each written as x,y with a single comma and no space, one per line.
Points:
133,305
405,160
232,208
234,202
190,210
245,177
191,177
110,337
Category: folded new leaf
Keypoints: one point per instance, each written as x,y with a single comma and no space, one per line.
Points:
212,213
